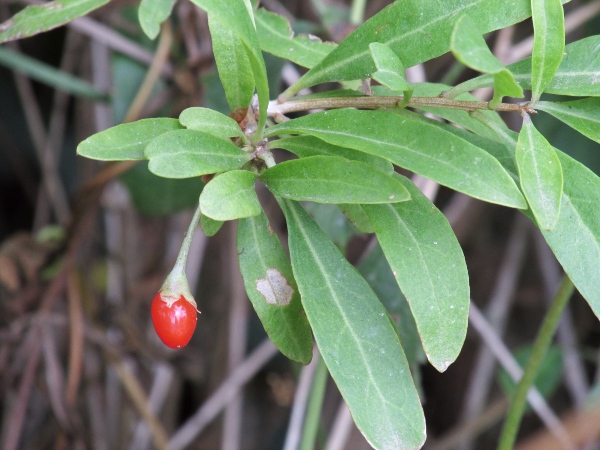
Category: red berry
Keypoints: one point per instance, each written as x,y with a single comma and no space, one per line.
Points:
174,322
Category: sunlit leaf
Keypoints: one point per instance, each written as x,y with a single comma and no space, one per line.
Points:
390,71
230,196
210,121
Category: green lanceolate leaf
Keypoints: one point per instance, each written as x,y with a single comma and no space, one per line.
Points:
540,174
304,146
152,13
236,16
548,43
577,74
357,217
191,153
583,115
356,339
414,145
209,226
404,27
210,121
36,19
470,48
331,179
429,266
271,288
575,240
230,196
127,141
233,65
390,71
276,37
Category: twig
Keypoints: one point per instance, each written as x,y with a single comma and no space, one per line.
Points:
340,430
223,395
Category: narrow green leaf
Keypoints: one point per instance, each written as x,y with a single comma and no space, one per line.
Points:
576,238
577,74
333,223
152,13
390,71
540,174
36,19
420,147
191,153
235,71
49,75
356,339
548,43
583,115
331,179
430,269
469,47
230,196
276,37
304,146
357,217
209,226
210,121
236,16
404,27
127,141
271,288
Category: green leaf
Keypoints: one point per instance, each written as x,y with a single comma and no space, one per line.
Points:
271,288
276,37
156,196
357,217
469,47
331,179
430,269
548,43
127,141
209,226
575,240
333,223
420,147
191,153
230,196
235,71
390,71
583,115
210,121
152,13
405,27
540,174
36,19
356,339
49,75
577,74
304,146
376,270
237,18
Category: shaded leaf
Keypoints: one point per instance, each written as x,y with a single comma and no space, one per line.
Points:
331,179
126,141
271,288
35,19
405,26
333,223
548,43
358,342
230,196
470,48
191,153
429,266
210,121
583,115
540,174
152,13
209,226
304,146
357,217
414,145
276,37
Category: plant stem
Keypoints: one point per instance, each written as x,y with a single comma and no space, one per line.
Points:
187,242
371,102
357,12
540,347
315,403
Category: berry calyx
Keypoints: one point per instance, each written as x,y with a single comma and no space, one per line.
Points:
174,319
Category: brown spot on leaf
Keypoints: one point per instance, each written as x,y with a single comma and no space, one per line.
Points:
275,288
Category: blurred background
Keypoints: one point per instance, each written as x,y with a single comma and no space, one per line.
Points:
84,247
